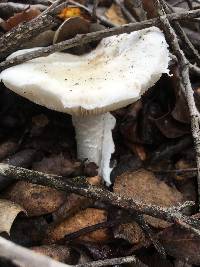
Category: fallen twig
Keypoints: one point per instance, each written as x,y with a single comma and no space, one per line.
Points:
115,261
82,187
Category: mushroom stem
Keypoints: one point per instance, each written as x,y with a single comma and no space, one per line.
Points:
94,140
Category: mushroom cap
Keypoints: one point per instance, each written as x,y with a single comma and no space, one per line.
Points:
113,75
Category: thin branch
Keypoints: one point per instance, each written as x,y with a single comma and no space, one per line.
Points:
115,261
82,187
91,228
139,218
185,79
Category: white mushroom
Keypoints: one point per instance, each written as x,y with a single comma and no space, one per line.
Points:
112,76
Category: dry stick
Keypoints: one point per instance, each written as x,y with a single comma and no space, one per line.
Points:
92,228
80,186
185,79
139,218
94,36
115,261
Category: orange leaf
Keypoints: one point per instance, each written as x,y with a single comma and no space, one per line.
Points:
70,12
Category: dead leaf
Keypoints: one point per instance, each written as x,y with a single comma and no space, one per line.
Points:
8,212
27,231
75,203
130,232
72,11
181,111
59,165
181,244
70,28
171,128
150,8
35,199
42,39
80,220
142,185
115,15
7,148
73,26
18,18
58,253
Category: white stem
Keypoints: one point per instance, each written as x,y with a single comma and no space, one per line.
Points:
94,140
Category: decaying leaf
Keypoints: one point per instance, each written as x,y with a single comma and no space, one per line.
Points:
181,111
35,199
8,212
171,128
70,27
59,165
58,253
42,39
27,231
142,185
181,244
72,11
130,232
73,26
75,203
80,220
18,18
7,148
115,15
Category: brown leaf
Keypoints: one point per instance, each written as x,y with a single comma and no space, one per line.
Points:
8,212
171,128
181,111
115,15
181,244
42,39
57,164
130,232
75,203
58,253
150,8
7,148
35,199
70,27
142,185
18,18
80,220
28,231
